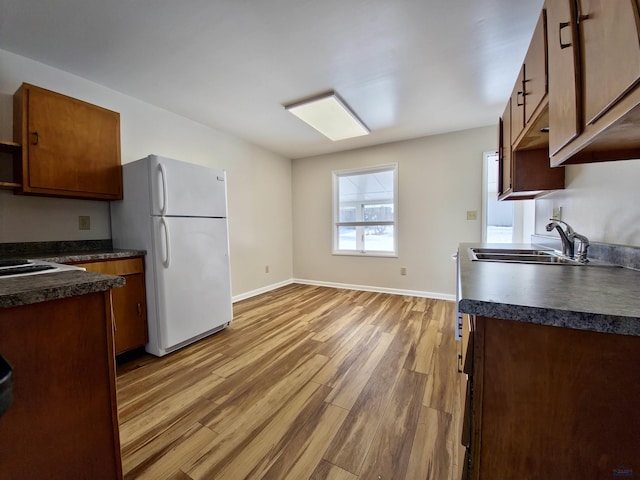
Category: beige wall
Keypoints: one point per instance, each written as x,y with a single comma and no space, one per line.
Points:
600,200
439,180
259,182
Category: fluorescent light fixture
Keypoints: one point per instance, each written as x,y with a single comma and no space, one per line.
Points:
329,115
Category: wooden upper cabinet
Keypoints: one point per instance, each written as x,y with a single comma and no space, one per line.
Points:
517,106
610,43
594,73
504,152
525,171
70,148
564,93
535,70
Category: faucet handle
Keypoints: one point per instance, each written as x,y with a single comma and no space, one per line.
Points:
583,246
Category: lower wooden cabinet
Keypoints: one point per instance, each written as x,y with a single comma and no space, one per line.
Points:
549,402
465,367
63,420
129,302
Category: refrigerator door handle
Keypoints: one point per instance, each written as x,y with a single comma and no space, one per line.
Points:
163,176
167,260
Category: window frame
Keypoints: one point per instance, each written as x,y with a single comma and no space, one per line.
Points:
336,174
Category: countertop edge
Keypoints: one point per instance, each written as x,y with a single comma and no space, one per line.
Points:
58,285
595,299
553,317
79,257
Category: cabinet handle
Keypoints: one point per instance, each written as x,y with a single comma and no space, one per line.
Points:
139,310
562,26
37,138
518,99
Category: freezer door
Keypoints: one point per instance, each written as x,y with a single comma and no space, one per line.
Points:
193,287
185,189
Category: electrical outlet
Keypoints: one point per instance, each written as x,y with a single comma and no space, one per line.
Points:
557,213
472,214
403,270
84,222
266,269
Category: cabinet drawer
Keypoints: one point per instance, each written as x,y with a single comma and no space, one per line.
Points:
126,266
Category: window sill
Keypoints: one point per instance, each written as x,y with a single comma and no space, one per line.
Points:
365,254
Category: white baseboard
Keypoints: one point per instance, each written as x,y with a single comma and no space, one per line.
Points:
346,286
261,290
367,288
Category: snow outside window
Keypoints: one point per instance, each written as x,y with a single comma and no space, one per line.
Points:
365,211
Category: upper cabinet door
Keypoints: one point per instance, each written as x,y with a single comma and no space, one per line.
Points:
517,106
535,69
564,94
70,148
610,53
504,172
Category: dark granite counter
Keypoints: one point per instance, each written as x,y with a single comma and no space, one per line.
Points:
67,251
602,299
28,289
77,257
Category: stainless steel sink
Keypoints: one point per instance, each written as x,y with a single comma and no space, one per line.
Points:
538,256
10,268
513,251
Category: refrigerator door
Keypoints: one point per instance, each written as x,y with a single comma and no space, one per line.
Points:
193,289
185,189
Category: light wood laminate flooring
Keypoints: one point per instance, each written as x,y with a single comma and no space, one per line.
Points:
306,383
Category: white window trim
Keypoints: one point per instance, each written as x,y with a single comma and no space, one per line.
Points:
485,192
336,208
523,222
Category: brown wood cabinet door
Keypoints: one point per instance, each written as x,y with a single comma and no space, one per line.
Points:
129,302
517,106
564,92
610,53
504,167
535,68
129,308
556,402
63,420
73,148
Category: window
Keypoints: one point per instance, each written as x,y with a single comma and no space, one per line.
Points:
498,215
365,209
507,221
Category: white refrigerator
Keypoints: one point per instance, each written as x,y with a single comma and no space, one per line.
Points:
177,212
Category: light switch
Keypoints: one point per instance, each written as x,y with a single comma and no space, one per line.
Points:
472,214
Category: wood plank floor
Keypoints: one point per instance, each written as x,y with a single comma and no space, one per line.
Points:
307,383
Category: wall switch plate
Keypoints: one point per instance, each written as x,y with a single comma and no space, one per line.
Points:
557,213
472,214
84,222
266,269
403,270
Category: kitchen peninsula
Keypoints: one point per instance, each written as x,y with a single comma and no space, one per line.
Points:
56,333
552,355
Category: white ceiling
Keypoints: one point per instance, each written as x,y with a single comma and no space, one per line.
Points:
409,68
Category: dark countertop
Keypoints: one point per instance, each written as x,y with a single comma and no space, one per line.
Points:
52,286
85,256
600,299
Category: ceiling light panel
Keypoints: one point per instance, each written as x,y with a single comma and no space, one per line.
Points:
330,116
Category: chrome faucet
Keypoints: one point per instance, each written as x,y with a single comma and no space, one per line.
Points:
568,238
